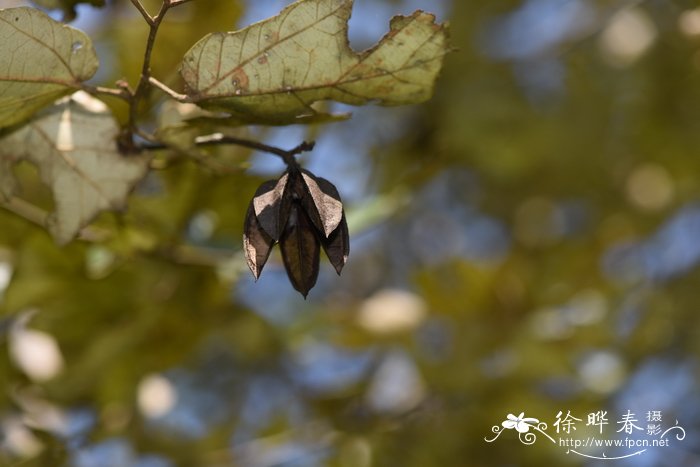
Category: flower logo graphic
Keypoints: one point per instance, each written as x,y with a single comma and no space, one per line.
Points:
520,423
529,429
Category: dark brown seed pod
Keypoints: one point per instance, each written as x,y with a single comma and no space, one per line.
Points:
257,244
300,250
322,203
272,206
302,212
337,246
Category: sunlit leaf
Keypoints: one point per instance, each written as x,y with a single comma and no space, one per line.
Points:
278,67
73,144
300,250
40,60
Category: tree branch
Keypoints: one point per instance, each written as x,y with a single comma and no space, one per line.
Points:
26,210
38,216
114,92
183,254
127,139
142,10
217,139
178,2
163,87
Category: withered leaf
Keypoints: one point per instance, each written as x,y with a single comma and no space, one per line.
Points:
324,206
278,68
73,145
271,206
256,243
300,250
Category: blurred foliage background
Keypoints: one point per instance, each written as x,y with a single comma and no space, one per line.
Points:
527,241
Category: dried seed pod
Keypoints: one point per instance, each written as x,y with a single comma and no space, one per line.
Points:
300,250
257,244
272,207
337,245
302,212
322,203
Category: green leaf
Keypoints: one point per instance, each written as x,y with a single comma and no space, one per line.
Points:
279,67
40,61
73,144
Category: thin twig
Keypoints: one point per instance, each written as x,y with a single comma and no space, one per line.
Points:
163,87
150,43
183,254
142,86
220,139
142,10
114,92
38,216
178,2
26,210
134,98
